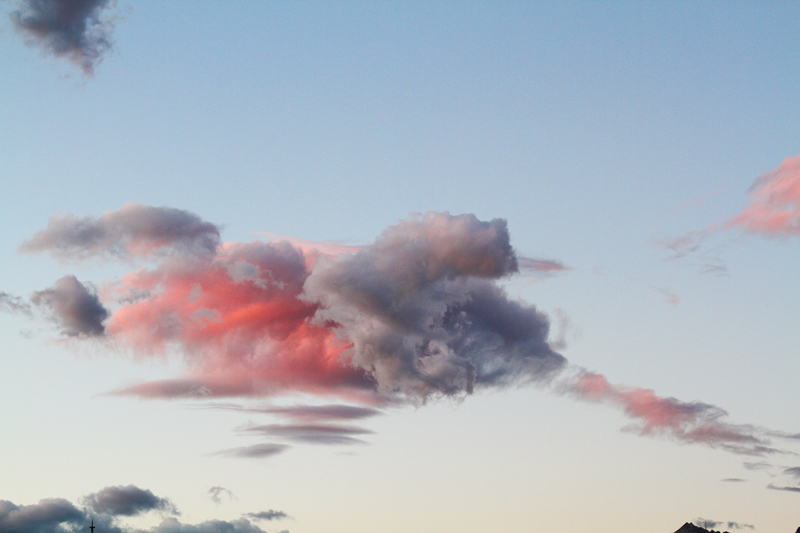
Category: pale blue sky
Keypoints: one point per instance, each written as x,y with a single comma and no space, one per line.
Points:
598,130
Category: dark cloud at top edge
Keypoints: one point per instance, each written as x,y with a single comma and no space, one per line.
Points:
79,30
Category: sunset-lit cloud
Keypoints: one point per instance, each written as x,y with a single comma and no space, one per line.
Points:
79,30
773,212
135,230
685,422
416,315
774,209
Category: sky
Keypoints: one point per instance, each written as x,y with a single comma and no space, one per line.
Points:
407,266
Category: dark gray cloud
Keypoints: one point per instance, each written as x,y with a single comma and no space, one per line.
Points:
424,313
57,515
216,494
256,451
711,524
312,433
14,304
74,306
772,486
79,30
134,230
53,515
267,515
127,500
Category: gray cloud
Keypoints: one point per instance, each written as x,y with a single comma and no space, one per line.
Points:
793,472
134,230
312,433
267,515
241,525
77,29
711,524
53,515
311,413
14,304
757,466
772,486
256,451
127,500
424,314
57,515
734,479
73,306
217,492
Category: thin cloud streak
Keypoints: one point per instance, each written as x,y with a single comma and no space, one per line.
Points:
685,422
255,451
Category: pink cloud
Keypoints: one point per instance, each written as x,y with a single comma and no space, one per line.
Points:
774,210
686,422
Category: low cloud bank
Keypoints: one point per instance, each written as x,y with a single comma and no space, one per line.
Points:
105,507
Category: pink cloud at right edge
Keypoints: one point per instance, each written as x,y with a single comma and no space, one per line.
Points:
774,210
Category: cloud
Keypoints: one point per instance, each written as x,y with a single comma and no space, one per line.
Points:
14,304
418,314
267,515
48,516
79,30
686,422
256,451
733,480
773,212
711,524
793,472
772,486
774,209
127,500
311,433
135,230
424,315
757,466
173,525
217,492
74,306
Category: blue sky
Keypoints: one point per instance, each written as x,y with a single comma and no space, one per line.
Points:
599,132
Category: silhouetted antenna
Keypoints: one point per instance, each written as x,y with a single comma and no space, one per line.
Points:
91,528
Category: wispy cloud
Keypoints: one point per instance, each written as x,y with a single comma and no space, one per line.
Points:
267,515
216,494
773,212
711,524
79,30
255,451
74,306
686,422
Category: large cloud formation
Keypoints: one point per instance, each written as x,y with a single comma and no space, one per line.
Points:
105,507
416,315
76,29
